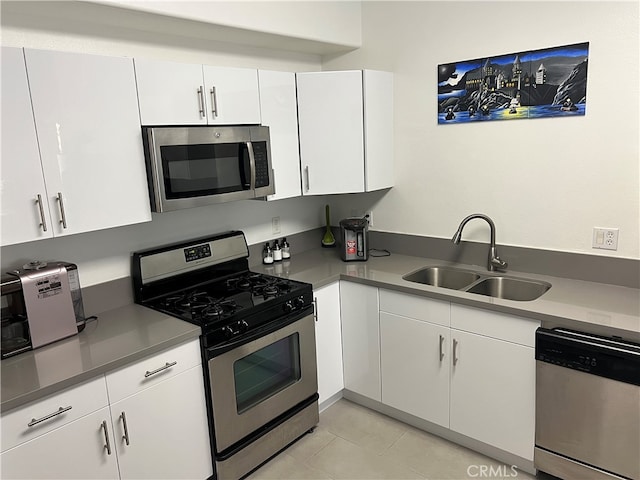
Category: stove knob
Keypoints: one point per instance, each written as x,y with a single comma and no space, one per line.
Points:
299,302
243,326
288,306
228,331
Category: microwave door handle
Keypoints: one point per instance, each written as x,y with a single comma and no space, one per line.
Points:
252,166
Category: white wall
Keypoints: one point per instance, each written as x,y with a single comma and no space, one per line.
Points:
545,182
327,21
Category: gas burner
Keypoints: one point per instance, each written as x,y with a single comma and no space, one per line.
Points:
219,309
270,290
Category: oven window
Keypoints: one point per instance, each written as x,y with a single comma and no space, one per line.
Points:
266,372
197,170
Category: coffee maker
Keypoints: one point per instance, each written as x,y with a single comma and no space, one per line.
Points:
354,235
41,303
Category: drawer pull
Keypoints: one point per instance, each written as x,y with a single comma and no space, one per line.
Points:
125,437
158,370
107,444
60,411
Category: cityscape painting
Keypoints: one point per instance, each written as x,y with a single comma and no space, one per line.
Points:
536,84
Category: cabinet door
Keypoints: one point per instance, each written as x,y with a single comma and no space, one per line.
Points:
329,341
378,124
330,113
232,95
170,93
415,367
360,339
24,218
166,429
279,112
493,392
86,115
76,450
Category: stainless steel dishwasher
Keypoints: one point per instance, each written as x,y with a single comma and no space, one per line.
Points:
587,405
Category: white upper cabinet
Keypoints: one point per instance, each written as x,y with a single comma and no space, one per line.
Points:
172,93
233,95
280,113
87,122
346,131
23,206
89,173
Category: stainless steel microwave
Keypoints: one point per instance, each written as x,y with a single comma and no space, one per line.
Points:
195,166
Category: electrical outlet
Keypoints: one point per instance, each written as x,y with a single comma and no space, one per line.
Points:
605,238
369,215
275,225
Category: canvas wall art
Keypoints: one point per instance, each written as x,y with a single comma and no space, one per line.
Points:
550,82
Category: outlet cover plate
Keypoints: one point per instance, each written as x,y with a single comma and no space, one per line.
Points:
605,238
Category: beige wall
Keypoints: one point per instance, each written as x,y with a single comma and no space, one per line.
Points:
545,182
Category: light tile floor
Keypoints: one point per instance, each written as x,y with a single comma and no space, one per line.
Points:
354,442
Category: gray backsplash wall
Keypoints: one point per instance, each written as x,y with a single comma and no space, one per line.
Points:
591,268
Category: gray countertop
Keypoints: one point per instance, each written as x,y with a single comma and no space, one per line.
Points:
594,307
127,334
116,338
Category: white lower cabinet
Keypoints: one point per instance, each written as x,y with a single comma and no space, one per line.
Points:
493,379
75,450
76,433
328,341
476,377
360,339
162,432
415,367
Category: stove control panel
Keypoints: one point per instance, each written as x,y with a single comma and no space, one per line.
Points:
197,252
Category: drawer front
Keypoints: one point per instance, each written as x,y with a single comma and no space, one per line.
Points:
52,412
493,324
413,306
149,371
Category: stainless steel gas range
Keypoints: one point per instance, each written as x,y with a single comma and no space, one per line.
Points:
258,344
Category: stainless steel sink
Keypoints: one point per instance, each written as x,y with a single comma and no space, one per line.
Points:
510,288
445,277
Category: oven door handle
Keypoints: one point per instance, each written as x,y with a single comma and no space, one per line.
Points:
242,339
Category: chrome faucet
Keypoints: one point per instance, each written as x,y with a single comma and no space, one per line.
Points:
495,263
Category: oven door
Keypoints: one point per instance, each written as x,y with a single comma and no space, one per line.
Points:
257,381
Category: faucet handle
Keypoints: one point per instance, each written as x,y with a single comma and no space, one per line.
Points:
498,264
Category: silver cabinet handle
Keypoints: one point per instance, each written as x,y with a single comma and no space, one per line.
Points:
306,174
107,443
214,102
441,351
60,411
43,222
315,309
455,347
158,370
63,217
201,101
125,437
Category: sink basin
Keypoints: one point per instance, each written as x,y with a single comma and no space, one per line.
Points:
445,277
510,288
